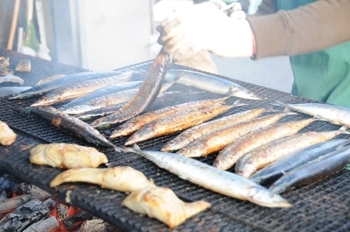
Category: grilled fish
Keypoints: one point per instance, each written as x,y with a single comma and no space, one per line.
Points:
144,97
138,122
211,178
209,83
7,136
100,93
159,102
266,154
281,166
314,170
64,155
219,139
80,89
63,81
177,122
190,135
103,101
335,114
232,152
121,178
162,203
78,127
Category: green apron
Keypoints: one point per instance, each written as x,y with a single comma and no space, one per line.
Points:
323,76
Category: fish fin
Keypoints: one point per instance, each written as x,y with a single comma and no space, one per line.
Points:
166,86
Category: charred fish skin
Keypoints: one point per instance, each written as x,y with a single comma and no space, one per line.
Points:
334,114
65,80
278,168
80,89
217,140
228,156
177,122
198,131
208,177
137,122
70,123
144,97
314,170
266,154
210,83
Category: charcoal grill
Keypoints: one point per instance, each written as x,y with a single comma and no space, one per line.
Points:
321,206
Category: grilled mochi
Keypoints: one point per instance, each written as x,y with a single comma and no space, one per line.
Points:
65,155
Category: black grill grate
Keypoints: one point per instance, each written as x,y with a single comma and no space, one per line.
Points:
322,206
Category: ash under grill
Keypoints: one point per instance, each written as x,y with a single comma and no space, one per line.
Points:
322,206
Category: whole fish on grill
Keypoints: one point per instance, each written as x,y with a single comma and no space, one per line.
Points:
281,166
217,140
138,122
144,97
120,178
100,102
209,83
110,99
100,93
177,122
335,114
228,156
198,131
65,155
72,124
162,203
266,154
66,80
162,99
82,88
7,136
211,178
315,170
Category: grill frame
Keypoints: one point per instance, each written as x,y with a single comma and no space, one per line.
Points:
321,206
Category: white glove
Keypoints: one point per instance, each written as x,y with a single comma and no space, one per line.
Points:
204,27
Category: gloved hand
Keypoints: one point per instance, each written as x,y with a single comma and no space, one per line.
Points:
205,27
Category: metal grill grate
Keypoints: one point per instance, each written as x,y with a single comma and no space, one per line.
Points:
322,206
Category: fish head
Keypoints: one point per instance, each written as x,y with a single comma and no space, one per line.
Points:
264,197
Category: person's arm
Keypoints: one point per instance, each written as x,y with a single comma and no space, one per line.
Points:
309,28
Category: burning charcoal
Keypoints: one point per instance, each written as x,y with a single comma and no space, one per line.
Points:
74,222
13,203
96,225
43,225
23,216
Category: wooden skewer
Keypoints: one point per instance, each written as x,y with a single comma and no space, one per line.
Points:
14,24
